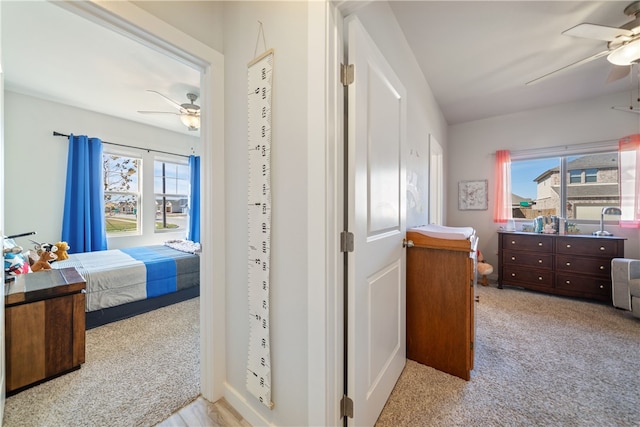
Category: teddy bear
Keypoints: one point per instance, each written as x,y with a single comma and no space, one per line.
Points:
43,261
63,247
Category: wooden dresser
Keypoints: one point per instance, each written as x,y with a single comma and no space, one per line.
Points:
441,282
44,326
570,265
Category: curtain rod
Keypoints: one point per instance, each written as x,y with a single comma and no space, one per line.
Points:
127,146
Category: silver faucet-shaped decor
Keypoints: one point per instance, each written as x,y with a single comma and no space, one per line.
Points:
607,210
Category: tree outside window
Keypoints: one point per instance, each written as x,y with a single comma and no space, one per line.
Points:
121,193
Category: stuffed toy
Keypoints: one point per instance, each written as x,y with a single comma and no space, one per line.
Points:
484,269
43,261
15,260
16,263
62,248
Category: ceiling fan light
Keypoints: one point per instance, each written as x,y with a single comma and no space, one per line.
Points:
191,121
626,54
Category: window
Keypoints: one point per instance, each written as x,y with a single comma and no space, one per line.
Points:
171,188
575,177
121,193
590,183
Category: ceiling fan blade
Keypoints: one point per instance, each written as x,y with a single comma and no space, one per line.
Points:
627,109
169,100
597,32
159,112
617,72
567,67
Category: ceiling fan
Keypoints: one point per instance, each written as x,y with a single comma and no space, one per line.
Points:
189,112
623,44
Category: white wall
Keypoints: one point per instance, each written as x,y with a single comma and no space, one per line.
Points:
202,20
35,162
472,146
285,29
424,117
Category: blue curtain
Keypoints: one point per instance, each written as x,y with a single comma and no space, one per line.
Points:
83,224
194,200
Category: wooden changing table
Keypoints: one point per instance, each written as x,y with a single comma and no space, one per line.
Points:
441,279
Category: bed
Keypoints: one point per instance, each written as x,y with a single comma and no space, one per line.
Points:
125,282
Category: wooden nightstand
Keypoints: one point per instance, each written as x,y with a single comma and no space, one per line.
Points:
44,327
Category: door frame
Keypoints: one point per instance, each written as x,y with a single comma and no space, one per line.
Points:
139,25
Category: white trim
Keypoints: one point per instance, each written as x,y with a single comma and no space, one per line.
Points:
128,19
2,336
333,308
248,411
324,218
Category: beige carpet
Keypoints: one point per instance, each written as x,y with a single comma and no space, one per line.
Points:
137,372
540,361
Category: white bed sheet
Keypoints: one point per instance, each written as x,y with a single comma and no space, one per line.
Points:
113,277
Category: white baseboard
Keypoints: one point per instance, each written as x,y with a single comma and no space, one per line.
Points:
240,404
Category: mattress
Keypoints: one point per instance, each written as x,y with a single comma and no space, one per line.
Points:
120,276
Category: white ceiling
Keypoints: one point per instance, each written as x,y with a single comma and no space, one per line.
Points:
54,54
476,56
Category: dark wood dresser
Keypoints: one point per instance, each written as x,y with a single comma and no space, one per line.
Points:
44,326
569,265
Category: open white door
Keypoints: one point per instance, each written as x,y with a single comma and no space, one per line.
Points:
377,218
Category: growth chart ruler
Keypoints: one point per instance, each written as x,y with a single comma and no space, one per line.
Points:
259,73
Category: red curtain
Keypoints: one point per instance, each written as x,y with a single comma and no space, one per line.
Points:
502,189
629,154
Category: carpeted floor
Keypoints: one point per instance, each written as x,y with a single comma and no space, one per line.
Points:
137,372
540,361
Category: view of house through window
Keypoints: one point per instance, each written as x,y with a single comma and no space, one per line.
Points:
171,188
591,182
121,193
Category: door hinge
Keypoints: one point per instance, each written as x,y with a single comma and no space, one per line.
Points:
346,407
346,241
471,345
346,74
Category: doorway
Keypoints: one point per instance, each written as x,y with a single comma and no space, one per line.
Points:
128,20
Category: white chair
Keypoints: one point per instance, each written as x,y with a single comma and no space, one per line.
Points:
625,282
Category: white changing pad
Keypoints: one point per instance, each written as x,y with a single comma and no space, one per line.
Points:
444,232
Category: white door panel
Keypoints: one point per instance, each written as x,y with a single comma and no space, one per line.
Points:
376,209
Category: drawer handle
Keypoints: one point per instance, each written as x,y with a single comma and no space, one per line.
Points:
568,264
513,258
601,286
540,278
568,245
513,242
602,267
539,261
568,282
513,274
539,243
602,248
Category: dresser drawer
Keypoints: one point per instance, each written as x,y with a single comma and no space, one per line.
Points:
583,265
528,259
524,242
516,275
587,246
599,288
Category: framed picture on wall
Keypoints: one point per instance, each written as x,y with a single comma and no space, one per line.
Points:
472,195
